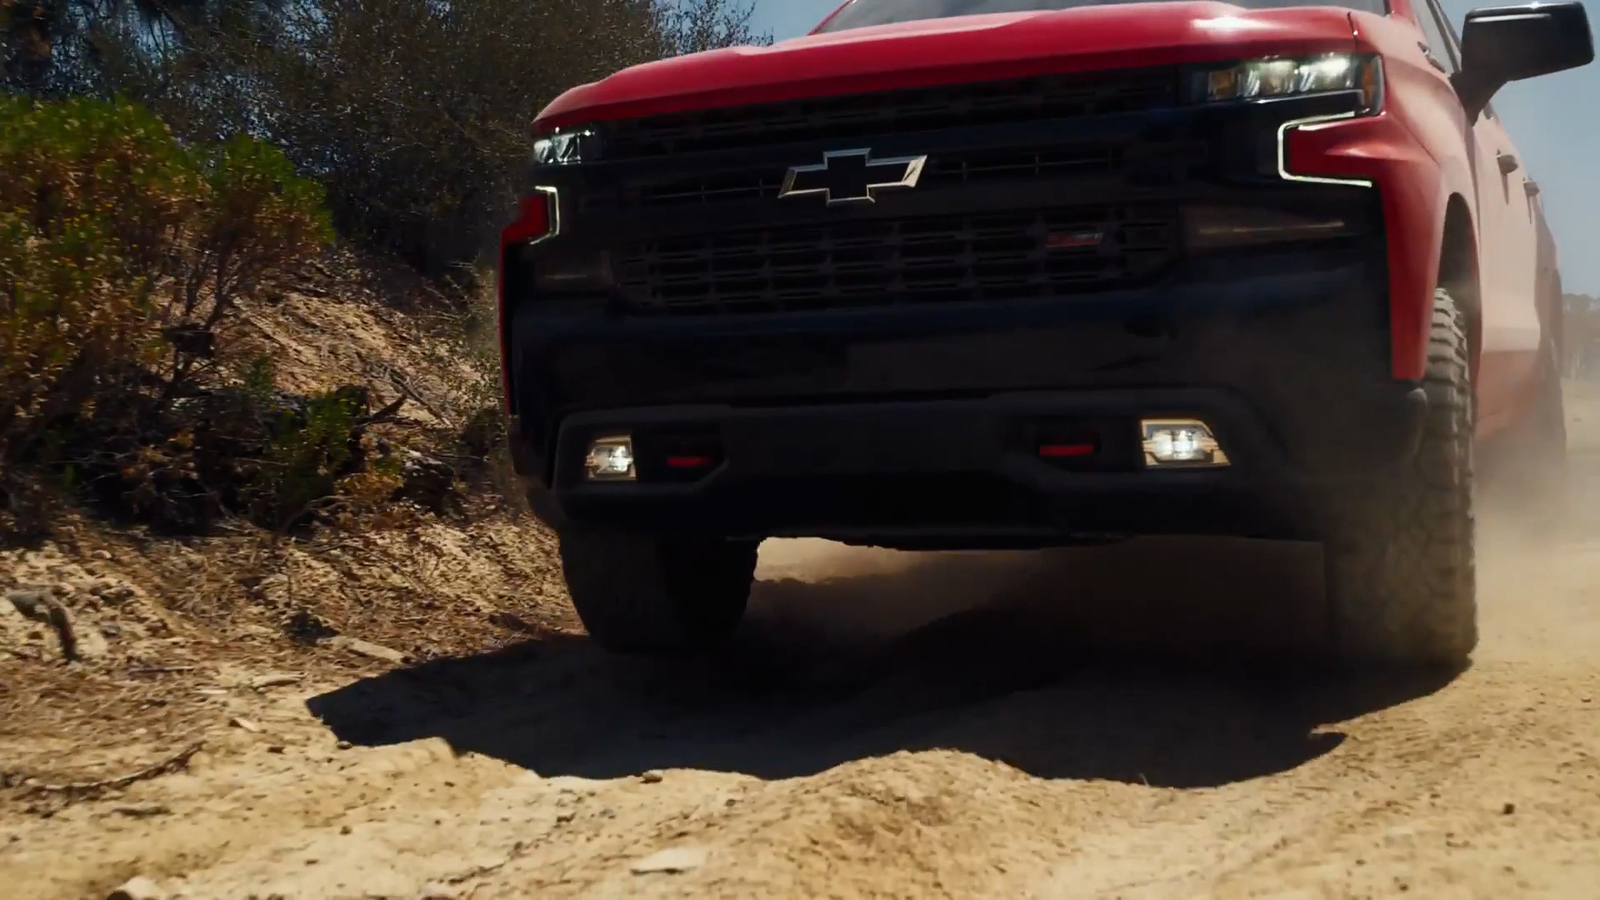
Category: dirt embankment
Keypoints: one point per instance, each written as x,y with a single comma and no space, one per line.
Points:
415,714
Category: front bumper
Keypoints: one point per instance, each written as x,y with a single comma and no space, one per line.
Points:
909,427
964,472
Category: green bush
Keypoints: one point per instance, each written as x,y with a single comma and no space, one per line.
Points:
318,454
94,196
123,257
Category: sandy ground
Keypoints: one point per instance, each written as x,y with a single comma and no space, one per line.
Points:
1075,737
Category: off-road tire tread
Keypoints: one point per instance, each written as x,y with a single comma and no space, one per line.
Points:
1401,559
654,595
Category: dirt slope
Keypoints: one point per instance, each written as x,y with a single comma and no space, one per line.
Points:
849,748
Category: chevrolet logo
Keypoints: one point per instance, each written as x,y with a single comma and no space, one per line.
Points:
852,176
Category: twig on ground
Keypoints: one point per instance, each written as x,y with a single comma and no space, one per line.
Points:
41,607
400,382
517,850
383,415
81,789
159,670
265,332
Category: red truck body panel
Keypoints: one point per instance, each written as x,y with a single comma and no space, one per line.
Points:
953,51
1421,152
1447,157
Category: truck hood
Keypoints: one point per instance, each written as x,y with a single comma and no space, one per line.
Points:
954,50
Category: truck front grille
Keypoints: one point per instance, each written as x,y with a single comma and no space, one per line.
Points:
881,113
1148,163
941,259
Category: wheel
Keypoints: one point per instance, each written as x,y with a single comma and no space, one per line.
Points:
650,594
1400,557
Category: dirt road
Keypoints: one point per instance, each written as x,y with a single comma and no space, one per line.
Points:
848,748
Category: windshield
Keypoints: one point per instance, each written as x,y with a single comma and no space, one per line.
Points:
862,13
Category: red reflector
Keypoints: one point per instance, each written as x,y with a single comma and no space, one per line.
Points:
688,462
1064,451
1073,239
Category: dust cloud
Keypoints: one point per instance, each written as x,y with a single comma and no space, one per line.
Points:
1539,574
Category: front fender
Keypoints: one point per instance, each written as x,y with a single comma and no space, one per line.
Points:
1415,193
1417,154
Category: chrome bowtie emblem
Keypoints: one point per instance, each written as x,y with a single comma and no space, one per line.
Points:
852,176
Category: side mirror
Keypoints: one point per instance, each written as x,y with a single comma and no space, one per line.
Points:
1510,43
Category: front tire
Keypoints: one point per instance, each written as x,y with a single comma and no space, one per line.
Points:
1401,558
654,595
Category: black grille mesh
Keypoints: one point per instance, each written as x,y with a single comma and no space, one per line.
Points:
892,112
909,260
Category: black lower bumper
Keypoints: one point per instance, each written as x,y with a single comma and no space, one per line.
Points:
959,472
911,426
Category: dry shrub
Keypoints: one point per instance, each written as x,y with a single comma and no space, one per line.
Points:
124,255
94,203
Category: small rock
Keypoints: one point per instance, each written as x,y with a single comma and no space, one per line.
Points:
654,776
246,724
345,829
142,810
1508,809
344,745
101,555
137,888
276,748
308,627
437,892
369,649
266,681
673,861
427,482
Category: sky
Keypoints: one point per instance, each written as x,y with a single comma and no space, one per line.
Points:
1555,128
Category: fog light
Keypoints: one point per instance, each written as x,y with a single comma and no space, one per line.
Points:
610,459
1177,443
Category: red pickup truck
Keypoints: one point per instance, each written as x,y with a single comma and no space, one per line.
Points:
1027,273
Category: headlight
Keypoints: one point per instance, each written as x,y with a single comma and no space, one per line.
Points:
1259,79
565,148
